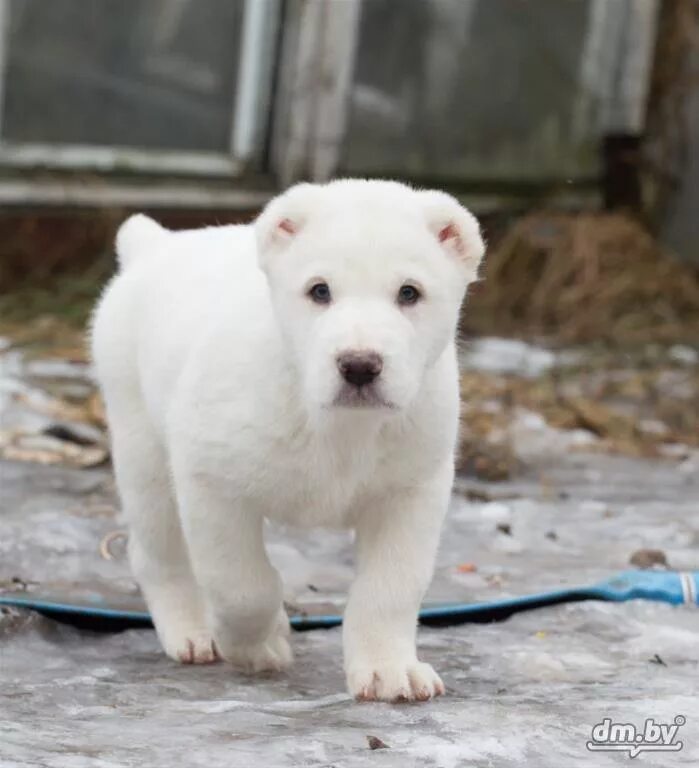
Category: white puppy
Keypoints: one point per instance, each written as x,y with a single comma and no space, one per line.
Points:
301,369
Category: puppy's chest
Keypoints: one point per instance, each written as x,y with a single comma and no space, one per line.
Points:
321,484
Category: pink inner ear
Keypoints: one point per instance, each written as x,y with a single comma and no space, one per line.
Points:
288,226
447,233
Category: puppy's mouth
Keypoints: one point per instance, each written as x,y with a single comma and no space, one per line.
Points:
367,396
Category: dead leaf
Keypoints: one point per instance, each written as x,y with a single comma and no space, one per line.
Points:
649,558
89,412
108,540
22,445
376,743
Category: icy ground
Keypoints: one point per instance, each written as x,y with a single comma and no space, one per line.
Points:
526,691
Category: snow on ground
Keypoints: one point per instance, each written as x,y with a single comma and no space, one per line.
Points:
495,355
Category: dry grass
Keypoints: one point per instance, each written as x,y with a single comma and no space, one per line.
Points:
586,277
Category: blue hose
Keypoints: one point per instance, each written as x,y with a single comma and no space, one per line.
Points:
677,588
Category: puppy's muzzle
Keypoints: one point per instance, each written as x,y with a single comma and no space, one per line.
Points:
360,368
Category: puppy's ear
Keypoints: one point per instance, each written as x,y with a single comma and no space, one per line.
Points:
454,227
282,219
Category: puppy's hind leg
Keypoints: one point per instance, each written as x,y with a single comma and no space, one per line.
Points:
157,551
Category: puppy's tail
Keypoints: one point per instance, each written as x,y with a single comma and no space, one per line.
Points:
138,235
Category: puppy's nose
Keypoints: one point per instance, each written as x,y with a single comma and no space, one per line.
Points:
359,368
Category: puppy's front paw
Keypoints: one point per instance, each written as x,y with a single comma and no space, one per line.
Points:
394,681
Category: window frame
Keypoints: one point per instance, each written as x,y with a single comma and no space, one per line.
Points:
247,128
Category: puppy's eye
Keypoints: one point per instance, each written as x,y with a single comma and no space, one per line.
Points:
320,293
408,294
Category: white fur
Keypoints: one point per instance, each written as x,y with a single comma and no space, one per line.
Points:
221,384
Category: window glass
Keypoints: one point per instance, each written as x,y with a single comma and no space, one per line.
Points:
140,73
470,89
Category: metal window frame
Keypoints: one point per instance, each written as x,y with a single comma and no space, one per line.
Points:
252,93
106,159
114,193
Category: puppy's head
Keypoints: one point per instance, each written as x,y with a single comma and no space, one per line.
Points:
366,279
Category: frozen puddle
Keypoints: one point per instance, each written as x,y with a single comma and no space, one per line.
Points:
527,691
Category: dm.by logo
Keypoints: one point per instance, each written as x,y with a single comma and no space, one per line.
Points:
624,737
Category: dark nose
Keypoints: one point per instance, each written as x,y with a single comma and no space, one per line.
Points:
359,368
